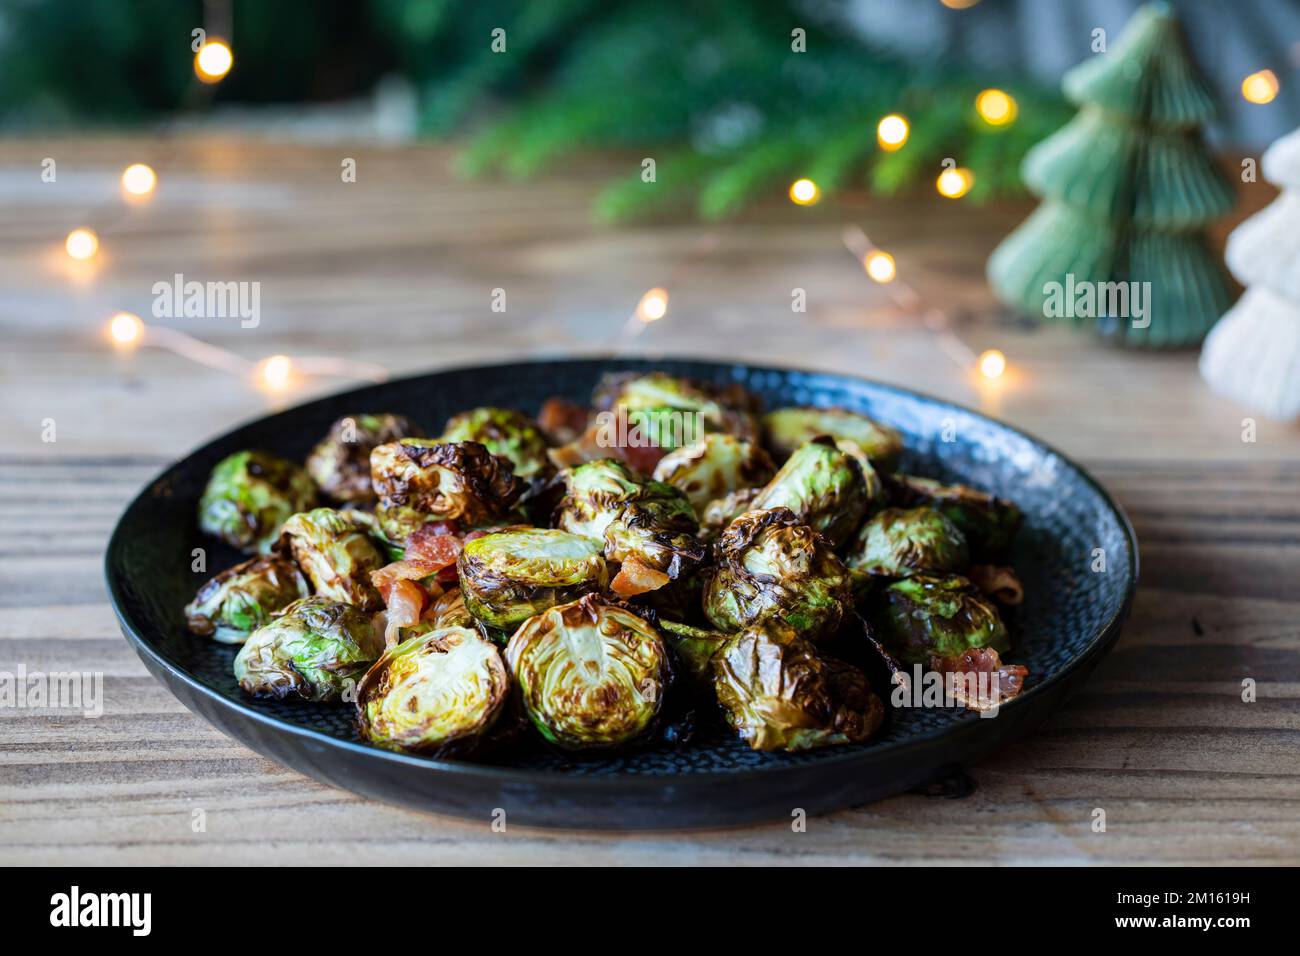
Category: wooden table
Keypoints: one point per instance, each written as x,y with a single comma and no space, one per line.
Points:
398,269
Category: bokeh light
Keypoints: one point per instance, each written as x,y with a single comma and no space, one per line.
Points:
892,132
125,329
213,61
804,192
992,363
955,183
1261,87
880,266
139,180
82,244
996,107
653,305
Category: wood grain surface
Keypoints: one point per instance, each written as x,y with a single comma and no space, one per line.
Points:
398,269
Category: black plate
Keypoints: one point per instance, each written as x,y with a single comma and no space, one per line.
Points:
1070,618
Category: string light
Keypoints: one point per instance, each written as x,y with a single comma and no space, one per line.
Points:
955,183
139,180
804,192
996,107
213,61
125,330
274,373
653,305
880,266
892,132
1260,87
992,363
82,244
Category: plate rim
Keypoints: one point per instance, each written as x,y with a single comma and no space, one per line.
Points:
1098,645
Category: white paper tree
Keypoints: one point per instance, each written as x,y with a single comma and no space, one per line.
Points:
1253,354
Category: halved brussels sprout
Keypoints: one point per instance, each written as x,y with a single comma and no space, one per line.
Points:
315,650
778,693
825,487
770,564
340,462
504,432
715,466
596,492
248,497
436,694
509,576
731,409
926,615
897,543
335,551
790,428
988,522
243,598
592,674
722,511
441,481
658,535
449,610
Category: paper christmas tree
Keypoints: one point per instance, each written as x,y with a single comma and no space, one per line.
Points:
1253,354
1127,187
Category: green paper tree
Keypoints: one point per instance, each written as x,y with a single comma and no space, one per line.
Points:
1127,188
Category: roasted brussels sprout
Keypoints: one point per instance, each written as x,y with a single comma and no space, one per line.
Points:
592,674
721,512
436,694
596,492
897,543
243,598
504,432
988,522
695,647
248,497
340,463
314,650
715,466
825,487
790,428
421,480
449,610
656,536
509,576
770,564
778,693
335,551
926,615
646,397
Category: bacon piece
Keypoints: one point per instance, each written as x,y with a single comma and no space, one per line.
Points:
635,578
995,683
405,600
998,582
562,420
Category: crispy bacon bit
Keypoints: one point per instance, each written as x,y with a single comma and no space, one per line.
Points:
562,420
405,600
994,682
635,578
998,582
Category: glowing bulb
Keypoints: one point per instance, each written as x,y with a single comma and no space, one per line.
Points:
276,371
1260,87
125,329
955,183
653,305
139,179
992,363
880,266
82,244
804,192
892,132
213,61
996,107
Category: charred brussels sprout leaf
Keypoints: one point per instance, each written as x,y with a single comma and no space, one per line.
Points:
695,647
648,399
504,432
897,543
825,488
721,512
340,463
591,674
658,534
315,650
335,551
989,523
769,564
926,615
790,428
778,693
509,576
420,480
449,610
595,494
714,467
243,598
248,497
436,694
